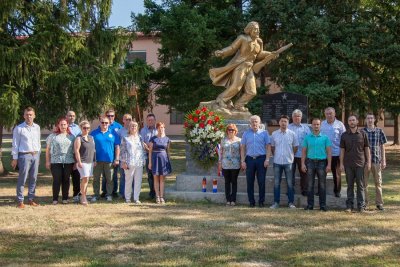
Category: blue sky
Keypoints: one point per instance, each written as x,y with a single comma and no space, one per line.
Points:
121,12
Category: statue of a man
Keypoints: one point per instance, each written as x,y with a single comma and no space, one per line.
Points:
238,73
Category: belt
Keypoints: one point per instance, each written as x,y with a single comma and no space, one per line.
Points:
256,157
316,159
25,153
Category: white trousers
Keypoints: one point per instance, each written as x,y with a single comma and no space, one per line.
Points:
133,174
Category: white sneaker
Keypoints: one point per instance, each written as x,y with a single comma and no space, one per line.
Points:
94,199
292,206
127,201
65,201
137,202
109,198
274,206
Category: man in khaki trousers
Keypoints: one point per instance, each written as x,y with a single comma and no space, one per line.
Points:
377,139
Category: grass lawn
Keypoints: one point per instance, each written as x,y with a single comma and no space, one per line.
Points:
195,234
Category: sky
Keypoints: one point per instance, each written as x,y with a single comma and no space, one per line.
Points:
121,12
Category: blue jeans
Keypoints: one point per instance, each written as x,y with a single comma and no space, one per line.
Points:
278,169
316,167
253,167
28,165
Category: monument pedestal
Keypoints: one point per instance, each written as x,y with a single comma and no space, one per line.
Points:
188,187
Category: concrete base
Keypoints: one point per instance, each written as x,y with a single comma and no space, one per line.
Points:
188,187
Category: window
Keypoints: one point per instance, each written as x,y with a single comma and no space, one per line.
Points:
136,54
389,121
176,117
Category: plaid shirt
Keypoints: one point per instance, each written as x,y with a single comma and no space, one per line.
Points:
376,138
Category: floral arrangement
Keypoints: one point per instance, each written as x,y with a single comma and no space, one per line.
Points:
204,130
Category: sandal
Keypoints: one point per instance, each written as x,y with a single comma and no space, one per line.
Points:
162,200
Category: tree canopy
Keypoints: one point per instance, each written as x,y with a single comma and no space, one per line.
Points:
345,54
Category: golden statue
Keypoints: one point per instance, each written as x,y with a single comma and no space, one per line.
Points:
238,74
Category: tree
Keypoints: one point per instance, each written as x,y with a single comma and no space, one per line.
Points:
61,55
189,31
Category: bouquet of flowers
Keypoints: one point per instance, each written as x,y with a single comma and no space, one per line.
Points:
204,131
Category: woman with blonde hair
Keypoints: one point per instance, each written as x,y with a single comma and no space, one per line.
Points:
133,159
85,154
229,162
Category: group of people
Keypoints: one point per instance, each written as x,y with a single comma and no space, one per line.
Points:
326,147
111,149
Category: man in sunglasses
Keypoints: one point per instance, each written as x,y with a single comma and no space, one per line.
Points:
115,127
107,157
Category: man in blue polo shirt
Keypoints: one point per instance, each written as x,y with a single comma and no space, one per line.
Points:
316,159
255,150
107,157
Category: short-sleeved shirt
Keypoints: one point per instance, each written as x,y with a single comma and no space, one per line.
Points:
284,143
231,155
115,126
316,146
334,131
61,148
105,144
301,130
376,138
354,145
147,133
255,142
74,128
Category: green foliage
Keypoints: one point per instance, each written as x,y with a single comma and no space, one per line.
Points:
60,55
346,54
189,31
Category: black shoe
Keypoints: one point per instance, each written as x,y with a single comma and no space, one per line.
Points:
304,193
103,194
323,209
361,210
252,205
309,208
261,204
115,195
317,194
338,195
380,207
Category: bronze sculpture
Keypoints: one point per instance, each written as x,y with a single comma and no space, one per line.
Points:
237,76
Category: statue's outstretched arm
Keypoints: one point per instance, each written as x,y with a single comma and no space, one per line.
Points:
230,50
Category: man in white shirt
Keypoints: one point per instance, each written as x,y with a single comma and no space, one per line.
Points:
334,129
301,130
26,155
284,145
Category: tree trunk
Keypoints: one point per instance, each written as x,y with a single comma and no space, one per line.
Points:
1,152
396,137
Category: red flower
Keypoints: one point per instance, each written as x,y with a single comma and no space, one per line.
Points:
210,122
204,109
190,116
201,125
203,118
211,113
186,124
216,119
197,111
195,119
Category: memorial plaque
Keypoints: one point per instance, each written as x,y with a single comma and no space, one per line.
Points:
275,105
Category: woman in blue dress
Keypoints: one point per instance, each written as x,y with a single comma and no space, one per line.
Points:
159,160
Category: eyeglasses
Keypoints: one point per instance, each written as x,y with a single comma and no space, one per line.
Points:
104,122
111,116
231,130
128,119
85,128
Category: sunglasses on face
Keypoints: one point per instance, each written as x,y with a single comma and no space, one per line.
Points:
231,130
85,128
111,116
104,122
